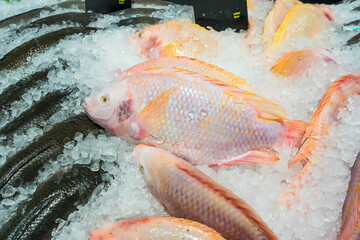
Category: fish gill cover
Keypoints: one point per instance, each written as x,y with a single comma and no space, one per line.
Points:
93,60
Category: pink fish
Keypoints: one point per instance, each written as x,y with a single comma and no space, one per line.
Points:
197,118
188,64
335,98
350,227
188,193
159,228
174,38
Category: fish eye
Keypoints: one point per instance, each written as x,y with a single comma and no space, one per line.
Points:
140,34
105,99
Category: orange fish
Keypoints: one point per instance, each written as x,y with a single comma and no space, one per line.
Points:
188,193
159,228
188,64
174,38
296,63
275,17
302,20
325,115
350,227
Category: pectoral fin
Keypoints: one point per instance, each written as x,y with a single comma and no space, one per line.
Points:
152,117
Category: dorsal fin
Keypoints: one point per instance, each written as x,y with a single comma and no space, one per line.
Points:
265,108
229,197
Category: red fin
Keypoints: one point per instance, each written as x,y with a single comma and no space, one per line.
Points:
294,131
249,157
229,197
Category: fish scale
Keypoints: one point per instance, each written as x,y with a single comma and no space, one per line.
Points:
195,117
187,129
186,192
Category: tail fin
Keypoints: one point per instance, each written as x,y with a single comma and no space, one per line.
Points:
294,131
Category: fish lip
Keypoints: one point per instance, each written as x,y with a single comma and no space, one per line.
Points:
87,109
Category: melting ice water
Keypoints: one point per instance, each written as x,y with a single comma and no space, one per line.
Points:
93,60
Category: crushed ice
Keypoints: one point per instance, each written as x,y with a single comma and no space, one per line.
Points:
92,61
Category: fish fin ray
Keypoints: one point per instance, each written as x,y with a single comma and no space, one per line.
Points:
294,131
152,117
252,156
231,198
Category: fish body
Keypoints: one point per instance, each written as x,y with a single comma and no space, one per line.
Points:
335,98
25,164
302,20
21,54
355,39
40,112
23,17
186,192
350,227
53,199
14,92
134,21
197,118
35,13
159,228
275,17
297,63
189,64
173,38
83,19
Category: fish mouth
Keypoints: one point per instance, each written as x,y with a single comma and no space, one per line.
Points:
87,109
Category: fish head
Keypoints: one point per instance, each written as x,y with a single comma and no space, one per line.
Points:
112,108
328,13
148,40
152,163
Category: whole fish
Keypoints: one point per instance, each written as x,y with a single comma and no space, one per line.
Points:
174,38
53,199
144,20
275,17
297,63
189,64
350,227
159,228
186,192
83,19
302,20
355,39
35,13
40,112
20,55
24,166
335,98
197,118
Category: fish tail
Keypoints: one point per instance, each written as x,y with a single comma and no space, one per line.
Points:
294,131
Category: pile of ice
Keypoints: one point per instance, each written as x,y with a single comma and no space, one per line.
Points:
315,212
